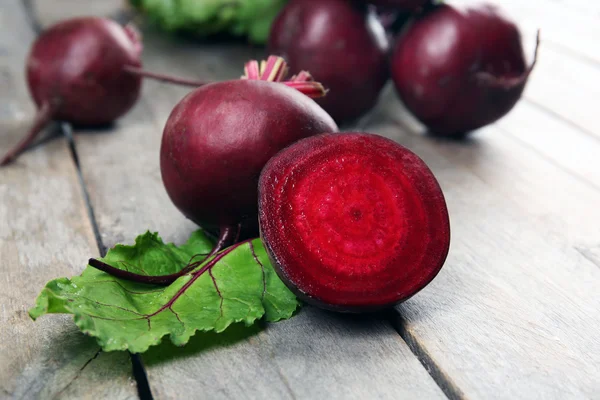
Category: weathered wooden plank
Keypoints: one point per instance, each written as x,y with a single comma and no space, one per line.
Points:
514,311
45,233
566,87
314,355
557,140
56,10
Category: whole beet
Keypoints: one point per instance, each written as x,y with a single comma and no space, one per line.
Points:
342,44
76,72
78,67
218,139
457,70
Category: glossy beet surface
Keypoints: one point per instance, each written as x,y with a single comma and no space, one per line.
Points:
353,221
460,69
77,66
342,45
218,139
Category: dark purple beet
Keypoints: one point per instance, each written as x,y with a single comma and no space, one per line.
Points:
75,73
342,44
457,70
78,65
352,221
219,137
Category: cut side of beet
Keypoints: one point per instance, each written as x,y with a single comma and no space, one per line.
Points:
352,222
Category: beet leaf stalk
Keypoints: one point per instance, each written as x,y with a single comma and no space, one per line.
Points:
163,77
226,235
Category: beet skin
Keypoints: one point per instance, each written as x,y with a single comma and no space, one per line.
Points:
352,221
218,139
342,45
457,69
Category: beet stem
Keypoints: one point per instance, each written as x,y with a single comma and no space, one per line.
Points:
44,115
272,70
162,77
225,236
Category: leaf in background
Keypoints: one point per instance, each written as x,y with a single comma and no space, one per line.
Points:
240,287
251,18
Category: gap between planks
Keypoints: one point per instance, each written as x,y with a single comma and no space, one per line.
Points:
450,389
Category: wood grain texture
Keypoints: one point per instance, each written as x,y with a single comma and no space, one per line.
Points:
514,310
315,355
44,233
556,140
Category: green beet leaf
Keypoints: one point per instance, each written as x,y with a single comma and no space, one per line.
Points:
241,286
250,18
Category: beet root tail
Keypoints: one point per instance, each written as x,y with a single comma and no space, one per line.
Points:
44,115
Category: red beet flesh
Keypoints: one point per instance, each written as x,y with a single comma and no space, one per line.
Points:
218,139
341,44
352,221
457,70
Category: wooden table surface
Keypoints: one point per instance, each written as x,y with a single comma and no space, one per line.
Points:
514,314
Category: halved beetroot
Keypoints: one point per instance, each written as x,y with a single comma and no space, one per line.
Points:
353,222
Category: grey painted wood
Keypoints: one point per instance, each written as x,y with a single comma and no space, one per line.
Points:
556,140
561,91
315,355
513,313
45,233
